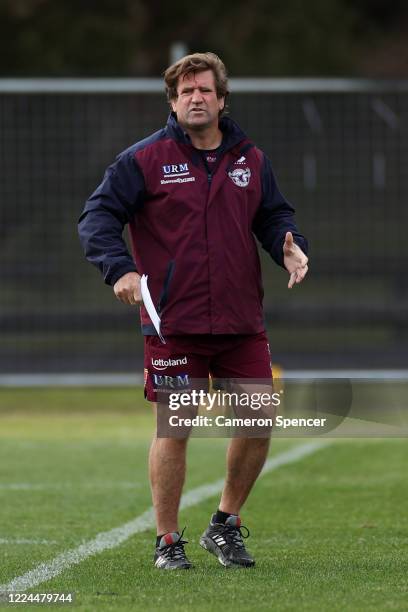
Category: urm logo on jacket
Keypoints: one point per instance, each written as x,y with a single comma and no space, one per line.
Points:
176,173
175,169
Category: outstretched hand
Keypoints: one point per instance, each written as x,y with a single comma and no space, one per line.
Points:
295,260
127,289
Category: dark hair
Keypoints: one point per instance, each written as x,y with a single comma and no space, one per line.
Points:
196,62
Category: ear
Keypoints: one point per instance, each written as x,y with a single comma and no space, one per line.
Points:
173,105
221,103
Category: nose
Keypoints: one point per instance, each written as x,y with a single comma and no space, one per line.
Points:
197,96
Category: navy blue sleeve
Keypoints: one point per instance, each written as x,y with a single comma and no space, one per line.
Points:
106,212
275,217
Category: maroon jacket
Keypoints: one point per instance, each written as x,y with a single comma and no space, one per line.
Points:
192,229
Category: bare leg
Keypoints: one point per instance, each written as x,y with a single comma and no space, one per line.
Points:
245,459
167,469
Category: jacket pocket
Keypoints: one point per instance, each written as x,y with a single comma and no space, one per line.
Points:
166,285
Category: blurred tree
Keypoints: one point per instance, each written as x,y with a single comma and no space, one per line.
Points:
133,37
382,32
282,38
69,37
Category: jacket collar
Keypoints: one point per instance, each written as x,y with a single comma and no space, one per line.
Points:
232,133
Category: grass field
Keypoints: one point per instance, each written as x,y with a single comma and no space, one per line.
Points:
329,531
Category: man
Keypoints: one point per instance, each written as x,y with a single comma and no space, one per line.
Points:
194,195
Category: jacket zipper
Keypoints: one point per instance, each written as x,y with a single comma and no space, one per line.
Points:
209,179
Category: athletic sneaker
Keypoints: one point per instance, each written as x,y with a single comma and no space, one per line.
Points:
170,553
225,542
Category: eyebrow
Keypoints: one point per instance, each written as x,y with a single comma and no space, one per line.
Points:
190,88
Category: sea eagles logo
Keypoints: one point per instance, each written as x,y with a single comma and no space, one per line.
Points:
240,176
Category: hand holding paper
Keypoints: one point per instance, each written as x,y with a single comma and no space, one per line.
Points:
151,310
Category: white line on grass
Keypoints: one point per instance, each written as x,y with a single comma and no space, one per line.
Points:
27,486
21,486
114,537
26,541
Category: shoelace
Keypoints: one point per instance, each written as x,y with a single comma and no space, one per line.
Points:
234,534
176,549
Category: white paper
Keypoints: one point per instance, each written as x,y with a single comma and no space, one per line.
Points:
151,310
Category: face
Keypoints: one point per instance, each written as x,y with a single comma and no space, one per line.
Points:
197,105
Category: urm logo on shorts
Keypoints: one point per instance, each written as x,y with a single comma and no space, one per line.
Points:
162,364
171,382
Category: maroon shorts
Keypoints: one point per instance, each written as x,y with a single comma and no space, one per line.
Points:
183,359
